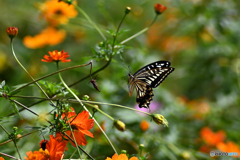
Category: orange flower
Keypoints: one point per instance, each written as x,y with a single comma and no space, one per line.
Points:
212,138
1,158
199,107
49,36
121,157
228,147
58,12
37,155
56,56
12,31
50,150
80,125
144,125
159,8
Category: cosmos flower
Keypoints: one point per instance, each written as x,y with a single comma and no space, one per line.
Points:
49,150
49,36
121,157
80,125
57,12
56,56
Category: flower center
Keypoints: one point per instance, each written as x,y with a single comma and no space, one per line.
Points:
58,12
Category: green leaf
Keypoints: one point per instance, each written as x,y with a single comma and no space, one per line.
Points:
123,31
111,32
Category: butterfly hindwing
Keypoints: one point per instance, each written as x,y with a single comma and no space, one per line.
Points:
148,77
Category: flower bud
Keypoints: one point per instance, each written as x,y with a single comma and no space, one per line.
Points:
119,125
127,10
95,108
12,32
141,146
123,152
86,97
159,8
159,119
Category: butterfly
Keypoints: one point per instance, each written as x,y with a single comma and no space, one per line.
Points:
146,78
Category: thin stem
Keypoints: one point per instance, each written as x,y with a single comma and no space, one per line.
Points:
76,97
28,72
99,110
8,156
74,138
72,154
91,102
142,31
5,130
79,147
115,37
117,105
18,137
65,69
15,144
13,141
20,104
90,21
100,69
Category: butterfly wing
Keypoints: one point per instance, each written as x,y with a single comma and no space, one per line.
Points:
148,77
154,73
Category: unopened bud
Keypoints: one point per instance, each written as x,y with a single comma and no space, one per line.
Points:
86,97
119,125
127,10
123,152
141,146
159,119
12,32
95,108
159,8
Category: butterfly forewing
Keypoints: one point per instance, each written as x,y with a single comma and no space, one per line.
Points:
148,77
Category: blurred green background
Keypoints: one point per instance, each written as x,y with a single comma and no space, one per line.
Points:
200,38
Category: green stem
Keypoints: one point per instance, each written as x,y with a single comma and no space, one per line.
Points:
142,31
72,154
28,72
15,144
115,37
20,104
76,97
65,69
12,140
79,146
99,110
90,21
117,105
18,137
74,138
8,156
91,102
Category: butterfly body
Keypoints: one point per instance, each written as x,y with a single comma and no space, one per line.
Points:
146,78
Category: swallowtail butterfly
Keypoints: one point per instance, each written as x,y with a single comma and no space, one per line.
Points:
146,78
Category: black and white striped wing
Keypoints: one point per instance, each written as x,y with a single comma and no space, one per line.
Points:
154,73
148,77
